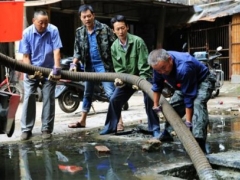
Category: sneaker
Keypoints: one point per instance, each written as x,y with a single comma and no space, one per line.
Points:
165,136
46,135
25,135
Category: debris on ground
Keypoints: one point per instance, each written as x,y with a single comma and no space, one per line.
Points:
152,145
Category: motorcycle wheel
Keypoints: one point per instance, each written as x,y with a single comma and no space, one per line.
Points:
11,130
68,103
125,106
215,93
16,89
38,94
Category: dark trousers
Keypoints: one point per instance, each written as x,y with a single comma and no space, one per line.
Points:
118,99
200,117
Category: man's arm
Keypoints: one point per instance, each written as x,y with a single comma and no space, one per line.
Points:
117,63
75,60
156,98
57,58
189,114
143,66
26,59
76,50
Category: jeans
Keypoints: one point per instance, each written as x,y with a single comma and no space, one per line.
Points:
118,99
89,88
29,105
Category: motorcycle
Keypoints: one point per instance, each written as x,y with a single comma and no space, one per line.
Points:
70,93
211,61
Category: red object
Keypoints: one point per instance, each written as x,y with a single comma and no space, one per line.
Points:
178,85
11,20
220,102
71,169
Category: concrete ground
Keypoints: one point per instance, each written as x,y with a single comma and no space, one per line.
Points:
228,99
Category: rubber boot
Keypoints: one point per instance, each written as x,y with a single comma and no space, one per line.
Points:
202,144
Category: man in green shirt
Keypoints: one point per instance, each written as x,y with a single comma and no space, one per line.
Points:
129,55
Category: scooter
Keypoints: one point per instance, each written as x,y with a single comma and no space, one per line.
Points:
211,61
70,93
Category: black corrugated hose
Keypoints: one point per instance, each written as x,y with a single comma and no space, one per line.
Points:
200,162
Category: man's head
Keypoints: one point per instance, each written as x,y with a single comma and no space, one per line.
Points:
160,61
120,26
87,15
40,20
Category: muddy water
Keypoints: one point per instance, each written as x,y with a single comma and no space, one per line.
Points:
223,134
74,157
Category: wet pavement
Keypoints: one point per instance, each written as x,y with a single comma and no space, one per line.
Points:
66,149
227,103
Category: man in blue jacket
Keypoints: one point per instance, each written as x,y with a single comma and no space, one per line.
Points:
197,84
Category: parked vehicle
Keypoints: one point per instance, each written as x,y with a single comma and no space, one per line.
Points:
8,107
8,85
70,93
211,61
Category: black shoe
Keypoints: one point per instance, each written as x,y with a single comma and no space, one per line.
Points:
165,136
104,132
143,128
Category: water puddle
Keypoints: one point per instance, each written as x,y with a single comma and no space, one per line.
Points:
72,158
223,134
75,156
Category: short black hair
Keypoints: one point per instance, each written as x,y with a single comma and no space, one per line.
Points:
84,8
118,18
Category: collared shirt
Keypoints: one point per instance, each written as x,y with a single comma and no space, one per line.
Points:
105,38
124,46
94,53
134,60
187,71
40,47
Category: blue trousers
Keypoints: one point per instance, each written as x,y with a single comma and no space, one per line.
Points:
118,99
89,90
29,105
89,87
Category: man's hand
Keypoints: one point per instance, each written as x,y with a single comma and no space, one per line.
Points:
119,83
135,87
37,75
73,67
157,109
55,74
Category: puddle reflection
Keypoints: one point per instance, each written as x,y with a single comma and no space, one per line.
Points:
56,160
223,134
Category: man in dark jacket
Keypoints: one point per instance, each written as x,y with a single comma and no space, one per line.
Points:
92,47
197,84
